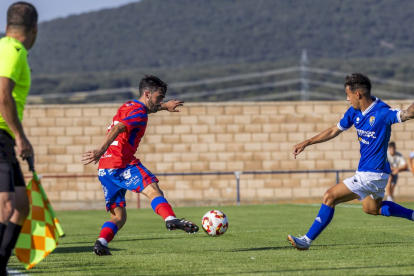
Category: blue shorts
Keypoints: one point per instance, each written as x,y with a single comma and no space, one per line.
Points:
115,183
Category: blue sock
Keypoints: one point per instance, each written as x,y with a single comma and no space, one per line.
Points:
389,208
324,217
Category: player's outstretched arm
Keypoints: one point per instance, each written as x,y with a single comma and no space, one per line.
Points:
407,114
171,105
94,155
327,135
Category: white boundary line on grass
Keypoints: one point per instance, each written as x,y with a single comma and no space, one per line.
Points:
15,272
318,205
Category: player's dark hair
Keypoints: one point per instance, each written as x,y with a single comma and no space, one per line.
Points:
357,81
22,15
152,84
391,145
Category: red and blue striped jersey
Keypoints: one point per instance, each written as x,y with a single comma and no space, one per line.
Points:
122,151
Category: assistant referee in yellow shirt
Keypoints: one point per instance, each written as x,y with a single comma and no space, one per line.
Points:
15,82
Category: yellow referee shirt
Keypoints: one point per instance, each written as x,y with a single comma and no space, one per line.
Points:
13,65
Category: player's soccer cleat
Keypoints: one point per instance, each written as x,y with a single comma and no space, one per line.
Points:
298,243
182,224
101,250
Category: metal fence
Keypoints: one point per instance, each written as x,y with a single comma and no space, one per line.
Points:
237,175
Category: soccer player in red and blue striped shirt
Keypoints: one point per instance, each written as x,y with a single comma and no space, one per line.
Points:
120,170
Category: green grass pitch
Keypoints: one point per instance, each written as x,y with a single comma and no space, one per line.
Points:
255,244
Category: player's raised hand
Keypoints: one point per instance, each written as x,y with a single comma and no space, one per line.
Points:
172,105
299,148
92,156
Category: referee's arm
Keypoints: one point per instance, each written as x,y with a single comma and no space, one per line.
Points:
8,111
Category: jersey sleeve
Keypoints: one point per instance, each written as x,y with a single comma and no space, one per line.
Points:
347,120
134,118
10,63
392,116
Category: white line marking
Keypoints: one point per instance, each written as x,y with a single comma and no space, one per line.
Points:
16,272
318,205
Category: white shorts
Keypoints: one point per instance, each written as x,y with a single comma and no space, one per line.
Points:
367,184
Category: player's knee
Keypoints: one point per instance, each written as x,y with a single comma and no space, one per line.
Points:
153,191
329,198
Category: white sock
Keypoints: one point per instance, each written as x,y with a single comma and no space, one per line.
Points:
389,198
308,241
103,241
169,218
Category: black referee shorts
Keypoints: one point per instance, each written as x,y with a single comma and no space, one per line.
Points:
10,173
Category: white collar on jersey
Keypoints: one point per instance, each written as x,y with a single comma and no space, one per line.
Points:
370,107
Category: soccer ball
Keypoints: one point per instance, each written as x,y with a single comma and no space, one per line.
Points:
215,223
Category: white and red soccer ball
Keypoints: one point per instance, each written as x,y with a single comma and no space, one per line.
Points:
215,223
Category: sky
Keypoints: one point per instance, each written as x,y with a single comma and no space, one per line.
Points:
51,9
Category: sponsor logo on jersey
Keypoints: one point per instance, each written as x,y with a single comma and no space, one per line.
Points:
372,120
106,155
368,134
363,141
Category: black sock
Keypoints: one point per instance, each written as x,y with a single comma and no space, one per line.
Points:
3,262
9,240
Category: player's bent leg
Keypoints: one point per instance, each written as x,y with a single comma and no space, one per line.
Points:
161,206
372,206
337,194
391,209
118,216
109,230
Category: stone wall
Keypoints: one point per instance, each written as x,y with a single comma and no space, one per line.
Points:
206,137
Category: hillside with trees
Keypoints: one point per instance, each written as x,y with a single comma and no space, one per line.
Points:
193,39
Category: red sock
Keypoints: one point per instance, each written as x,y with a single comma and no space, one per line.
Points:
164,210
109,230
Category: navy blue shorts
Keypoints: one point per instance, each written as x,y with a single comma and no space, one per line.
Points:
10,173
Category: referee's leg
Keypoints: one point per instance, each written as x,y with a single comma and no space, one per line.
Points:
7,202
19,215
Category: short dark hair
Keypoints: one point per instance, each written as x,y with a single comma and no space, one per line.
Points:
22,15
358,81
152,84
391,145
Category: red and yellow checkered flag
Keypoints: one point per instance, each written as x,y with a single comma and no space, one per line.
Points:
41,230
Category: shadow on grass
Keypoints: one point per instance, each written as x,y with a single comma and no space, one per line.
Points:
78,249
129,240
319,246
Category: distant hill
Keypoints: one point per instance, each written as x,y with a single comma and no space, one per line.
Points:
159,33
186,40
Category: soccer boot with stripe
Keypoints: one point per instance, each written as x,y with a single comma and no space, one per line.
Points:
300,243
182,224
101,250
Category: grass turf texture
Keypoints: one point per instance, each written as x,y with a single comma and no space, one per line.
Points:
353,244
